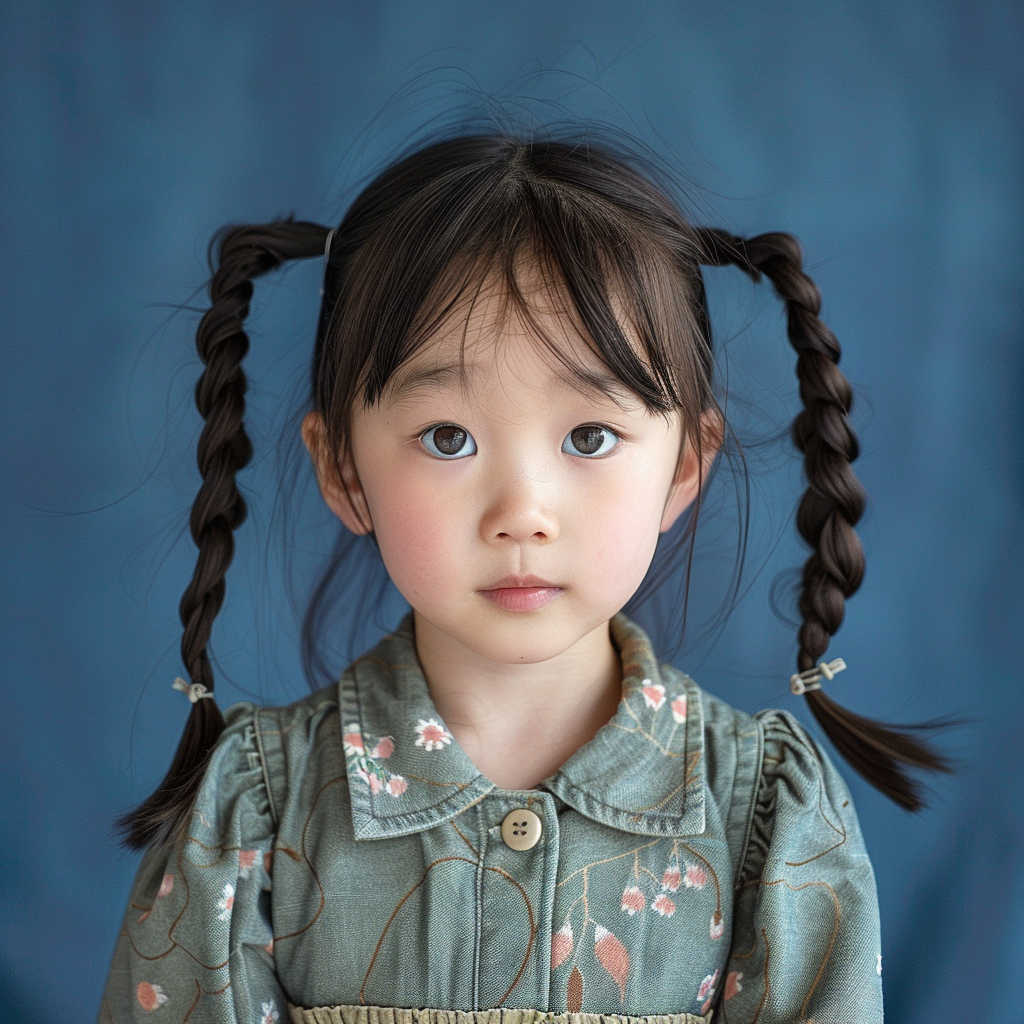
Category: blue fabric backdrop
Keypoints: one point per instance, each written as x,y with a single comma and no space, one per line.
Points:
886,136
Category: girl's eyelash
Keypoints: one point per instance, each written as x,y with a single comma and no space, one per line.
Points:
584,435
447,441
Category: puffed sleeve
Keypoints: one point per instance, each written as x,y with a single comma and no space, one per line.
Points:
806,944
196,941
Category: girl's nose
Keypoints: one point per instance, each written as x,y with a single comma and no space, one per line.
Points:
519,514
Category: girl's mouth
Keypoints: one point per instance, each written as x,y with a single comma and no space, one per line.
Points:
521,593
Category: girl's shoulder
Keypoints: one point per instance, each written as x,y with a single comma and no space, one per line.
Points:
766,771
267,746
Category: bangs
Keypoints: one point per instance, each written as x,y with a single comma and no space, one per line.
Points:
550,230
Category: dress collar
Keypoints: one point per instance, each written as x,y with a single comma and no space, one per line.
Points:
642,772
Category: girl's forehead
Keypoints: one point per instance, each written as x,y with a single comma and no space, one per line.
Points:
480,363
495,340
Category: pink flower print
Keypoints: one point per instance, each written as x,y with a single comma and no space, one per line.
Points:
679,709
370,778
150,997
226,902
654,694
384,747
671,878
612,956
561,945
269,947
352,738
246,861
707,986
717,925
695,877
632,900
397,785
732,984
270,1014
663,905
432,735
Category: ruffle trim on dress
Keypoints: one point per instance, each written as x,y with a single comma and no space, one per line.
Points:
399,1015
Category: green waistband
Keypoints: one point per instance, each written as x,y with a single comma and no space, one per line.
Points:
398,1015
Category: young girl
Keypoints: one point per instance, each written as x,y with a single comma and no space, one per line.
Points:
509,809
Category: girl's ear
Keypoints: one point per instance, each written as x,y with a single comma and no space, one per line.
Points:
693,469
338,483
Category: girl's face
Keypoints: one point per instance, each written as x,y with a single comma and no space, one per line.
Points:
513,512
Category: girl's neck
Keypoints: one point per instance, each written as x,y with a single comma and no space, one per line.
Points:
519,723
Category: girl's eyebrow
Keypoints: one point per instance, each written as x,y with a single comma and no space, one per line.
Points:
600,386
433,378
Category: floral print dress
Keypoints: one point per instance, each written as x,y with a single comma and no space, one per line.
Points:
347,863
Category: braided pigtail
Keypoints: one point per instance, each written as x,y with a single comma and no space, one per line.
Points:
243,253
829,509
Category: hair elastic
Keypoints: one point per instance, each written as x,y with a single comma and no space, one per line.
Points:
801,682
194,691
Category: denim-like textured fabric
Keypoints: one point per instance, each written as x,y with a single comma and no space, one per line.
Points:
345,851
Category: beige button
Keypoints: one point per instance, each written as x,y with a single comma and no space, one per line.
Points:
521,829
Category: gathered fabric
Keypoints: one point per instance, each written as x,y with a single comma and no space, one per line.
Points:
397,1015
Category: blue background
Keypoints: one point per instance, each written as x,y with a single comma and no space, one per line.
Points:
886,136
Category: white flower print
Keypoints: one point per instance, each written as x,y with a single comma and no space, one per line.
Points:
432,735
707,986
151,997
633,900
226,902
663,905
679,709
246,862
270,1014
695,877
654,694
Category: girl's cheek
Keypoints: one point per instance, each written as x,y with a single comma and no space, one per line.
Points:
628,531
419,531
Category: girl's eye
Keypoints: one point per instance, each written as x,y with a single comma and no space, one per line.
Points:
448,441
590,441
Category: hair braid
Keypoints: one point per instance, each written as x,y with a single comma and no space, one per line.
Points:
829,509
243,253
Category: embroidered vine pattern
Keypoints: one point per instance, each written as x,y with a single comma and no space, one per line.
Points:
149,994
644,891
611,954
367,764
655,699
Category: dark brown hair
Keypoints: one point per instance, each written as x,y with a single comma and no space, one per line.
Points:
425,234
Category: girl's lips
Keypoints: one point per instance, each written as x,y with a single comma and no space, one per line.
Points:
522,599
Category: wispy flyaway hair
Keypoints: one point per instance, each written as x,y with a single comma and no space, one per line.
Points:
622,265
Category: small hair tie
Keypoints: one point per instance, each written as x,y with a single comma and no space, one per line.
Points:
801,682
194,691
